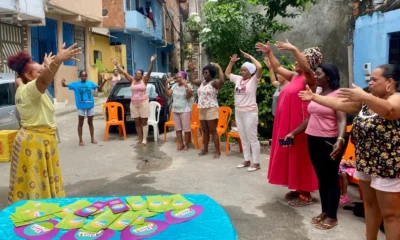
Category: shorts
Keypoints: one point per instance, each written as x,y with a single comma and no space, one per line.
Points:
182,121
140,109
381,184
86,112
209,113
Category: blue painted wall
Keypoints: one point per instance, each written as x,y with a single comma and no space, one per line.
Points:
371,41
142,50
135,20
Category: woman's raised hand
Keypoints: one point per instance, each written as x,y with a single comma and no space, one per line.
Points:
153,58
114,61
286,46
48,59
234,58
260,47
69,53
246,55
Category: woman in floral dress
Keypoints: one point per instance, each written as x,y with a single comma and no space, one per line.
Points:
208,103
376,135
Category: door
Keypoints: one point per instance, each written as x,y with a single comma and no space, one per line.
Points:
79,36
10,43
8,120
129,55
44,40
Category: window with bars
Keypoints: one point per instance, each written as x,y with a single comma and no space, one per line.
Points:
394,48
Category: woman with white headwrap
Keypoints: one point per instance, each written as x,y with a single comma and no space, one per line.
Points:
246,110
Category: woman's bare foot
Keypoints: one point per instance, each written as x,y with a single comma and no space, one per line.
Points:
318,219
217,155
181,148
202,153
186,149
81,144
94,141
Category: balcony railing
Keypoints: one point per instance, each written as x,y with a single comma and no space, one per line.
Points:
137,22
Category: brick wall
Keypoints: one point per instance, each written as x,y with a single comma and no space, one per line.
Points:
172,36
116,14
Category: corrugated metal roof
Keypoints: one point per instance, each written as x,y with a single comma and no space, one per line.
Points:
101,31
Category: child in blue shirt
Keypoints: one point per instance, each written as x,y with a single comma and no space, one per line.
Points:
83,91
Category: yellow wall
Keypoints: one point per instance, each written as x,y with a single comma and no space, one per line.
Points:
102,44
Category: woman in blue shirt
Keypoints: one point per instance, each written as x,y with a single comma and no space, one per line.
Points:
83,91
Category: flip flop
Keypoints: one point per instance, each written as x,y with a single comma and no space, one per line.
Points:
325,226
316,220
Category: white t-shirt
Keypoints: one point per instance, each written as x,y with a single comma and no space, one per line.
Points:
245,93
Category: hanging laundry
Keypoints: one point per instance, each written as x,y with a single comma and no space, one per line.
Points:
148,9
152,17
148,21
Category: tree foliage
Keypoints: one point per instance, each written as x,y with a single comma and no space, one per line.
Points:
233,25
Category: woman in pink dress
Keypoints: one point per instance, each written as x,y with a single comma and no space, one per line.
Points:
291,165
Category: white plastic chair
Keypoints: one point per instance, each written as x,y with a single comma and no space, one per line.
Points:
154,118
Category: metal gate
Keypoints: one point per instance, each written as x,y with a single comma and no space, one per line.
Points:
79,36
10,43
129,55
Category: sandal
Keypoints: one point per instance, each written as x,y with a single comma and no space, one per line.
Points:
292,195
344,199
318,219
301,201
244,164
326,226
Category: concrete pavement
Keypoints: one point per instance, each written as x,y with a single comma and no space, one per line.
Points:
256,208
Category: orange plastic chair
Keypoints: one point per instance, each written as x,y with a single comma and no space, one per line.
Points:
222,127
170,123
113,120
195,124
228,143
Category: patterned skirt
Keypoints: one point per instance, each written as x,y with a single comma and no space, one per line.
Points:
35,168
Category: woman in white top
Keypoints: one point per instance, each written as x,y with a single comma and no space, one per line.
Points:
279,82
246,109
208,103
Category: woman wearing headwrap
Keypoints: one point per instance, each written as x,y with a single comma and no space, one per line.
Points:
246,110
291,165
181,108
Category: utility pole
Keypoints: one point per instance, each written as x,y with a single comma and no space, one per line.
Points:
181,41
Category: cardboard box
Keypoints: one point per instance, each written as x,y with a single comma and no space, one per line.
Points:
6,144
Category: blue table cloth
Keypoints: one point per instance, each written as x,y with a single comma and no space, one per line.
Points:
212,223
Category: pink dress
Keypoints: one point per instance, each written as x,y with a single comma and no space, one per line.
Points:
291,166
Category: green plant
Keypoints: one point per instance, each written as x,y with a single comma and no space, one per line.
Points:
234,25
193,23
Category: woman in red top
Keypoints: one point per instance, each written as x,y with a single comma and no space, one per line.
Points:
291,166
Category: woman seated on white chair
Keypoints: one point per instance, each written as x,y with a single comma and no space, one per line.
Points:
181,108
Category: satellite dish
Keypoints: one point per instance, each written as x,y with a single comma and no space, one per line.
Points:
105,12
